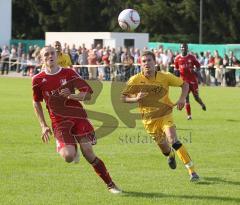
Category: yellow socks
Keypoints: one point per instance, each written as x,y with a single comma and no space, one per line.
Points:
184,156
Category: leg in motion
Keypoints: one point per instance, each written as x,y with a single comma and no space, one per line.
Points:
98,165
181,152
167,151
188,108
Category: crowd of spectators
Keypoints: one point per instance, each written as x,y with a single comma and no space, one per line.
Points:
119,64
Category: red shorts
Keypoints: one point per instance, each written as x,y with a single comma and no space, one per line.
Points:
70,131
193,87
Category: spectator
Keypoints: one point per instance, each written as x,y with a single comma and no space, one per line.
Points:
113,60
218,66
128,61
106,63
119,65
202,73
230,74
13,58
74,54
92,60
236,63
5,60
83,60
20,51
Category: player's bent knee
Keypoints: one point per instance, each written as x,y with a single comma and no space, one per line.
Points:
68,158
67,155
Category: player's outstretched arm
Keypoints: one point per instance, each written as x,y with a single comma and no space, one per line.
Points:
137,98
181,101
82,96
46,131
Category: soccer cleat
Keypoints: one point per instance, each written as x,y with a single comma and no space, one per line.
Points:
204,107
189,117
77,158
171,160
194,177
114,189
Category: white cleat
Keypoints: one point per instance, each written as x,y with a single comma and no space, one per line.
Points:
114,189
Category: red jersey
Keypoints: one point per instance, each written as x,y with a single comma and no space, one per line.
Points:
47,86
185,64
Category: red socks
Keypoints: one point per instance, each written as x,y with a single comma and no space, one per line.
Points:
101,170
188,109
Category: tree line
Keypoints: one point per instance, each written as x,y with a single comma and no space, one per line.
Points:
164,20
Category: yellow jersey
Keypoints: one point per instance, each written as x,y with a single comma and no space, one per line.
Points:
157,103
64,60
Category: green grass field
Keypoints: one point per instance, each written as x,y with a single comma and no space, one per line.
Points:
31,173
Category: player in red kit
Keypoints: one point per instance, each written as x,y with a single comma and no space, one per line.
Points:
56,86
186,64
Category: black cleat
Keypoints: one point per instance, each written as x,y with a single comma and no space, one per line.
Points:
194,177
171,160
204,107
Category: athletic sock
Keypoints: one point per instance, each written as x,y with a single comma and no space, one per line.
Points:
188,109
184,156
101,171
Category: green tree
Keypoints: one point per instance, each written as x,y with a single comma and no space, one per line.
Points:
165,20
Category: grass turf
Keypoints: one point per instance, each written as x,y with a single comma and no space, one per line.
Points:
33,173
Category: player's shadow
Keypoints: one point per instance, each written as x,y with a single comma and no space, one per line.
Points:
218,180
232,120
190,197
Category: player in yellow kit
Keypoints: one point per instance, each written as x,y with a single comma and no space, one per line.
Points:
150,89
63,59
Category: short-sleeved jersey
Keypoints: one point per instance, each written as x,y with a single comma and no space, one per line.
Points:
157,103
47,87
64,60
185,65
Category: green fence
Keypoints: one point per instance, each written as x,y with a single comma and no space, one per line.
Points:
222,48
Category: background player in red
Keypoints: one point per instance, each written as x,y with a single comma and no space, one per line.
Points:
56,86
186,64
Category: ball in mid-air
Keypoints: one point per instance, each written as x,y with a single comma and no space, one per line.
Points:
129,19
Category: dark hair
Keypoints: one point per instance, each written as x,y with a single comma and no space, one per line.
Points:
148,53
184,44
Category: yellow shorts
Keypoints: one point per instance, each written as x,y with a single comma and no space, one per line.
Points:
157,127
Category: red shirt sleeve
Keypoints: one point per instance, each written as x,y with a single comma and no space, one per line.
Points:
37,93
79,83
196,62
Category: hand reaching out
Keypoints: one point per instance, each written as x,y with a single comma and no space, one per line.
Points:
141,95
65,92
46,132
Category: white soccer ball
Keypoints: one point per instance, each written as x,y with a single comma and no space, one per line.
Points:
129,19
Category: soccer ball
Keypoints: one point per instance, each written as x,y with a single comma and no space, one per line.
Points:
129,19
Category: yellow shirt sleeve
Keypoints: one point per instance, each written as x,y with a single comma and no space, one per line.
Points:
173,80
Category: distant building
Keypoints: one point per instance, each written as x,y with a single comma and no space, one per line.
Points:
111,39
